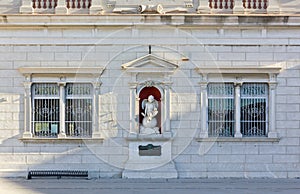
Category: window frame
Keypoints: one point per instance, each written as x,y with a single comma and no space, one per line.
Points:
61,76
238,75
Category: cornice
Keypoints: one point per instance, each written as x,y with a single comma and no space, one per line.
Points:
97,71
184,20
238,70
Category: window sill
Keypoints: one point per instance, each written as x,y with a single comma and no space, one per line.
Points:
61,140
151,137
232,139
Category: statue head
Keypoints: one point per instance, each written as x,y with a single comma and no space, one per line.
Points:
150,98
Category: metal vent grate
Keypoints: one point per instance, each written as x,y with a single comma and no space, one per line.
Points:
57,173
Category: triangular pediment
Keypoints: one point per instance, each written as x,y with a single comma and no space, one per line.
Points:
150,64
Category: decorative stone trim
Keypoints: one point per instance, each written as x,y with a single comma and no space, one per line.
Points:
96,71
238,70
61,140
152,137
245,139
158,65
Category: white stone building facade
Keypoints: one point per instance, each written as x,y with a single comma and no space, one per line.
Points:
225,76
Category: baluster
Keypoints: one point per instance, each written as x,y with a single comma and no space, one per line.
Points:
55,3
73,4
254,4
50,4
249,4
83,5
44,4
78,4
90,3
259,4
210,3
33,4
216,4
226,4
221,4
68,4
244,3
265,4
231,4
39,4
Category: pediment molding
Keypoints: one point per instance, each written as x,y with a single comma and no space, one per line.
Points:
150,64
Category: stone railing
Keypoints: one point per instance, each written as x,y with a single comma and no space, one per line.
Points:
44,6
238,6
55,6
96,6
228,5
79,4
255,4
221,4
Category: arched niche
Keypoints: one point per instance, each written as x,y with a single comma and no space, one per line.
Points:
143,94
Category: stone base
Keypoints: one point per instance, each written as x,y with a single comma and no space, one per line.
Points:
61,10
94,10
166,171
203,9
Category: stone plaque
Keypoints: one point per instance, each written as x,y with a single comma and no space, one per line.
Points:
149,150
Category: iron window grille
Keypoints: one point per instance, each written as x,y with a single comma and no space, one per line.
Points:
253,107
221,109
254,101
78,110
46,109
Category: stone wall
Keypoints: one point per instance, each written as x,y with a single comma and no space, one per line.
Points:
110,46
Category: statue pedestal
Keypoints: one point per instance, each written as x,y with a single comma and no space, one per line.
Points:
150,156
166,171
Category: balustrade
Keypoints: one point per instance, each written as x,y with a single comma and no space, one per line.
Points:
229,4
221,4
255,4
205,6
46,6
79,4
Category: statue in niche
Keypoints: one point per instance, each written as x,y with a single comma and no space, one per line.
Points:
149,122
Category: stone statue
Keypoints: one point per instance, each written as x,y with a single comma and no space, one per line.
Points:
149,122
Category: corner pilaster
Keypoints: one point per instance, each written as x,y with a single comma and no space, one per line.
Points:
27,108
62,131
272,133
96,130
134,101
237,115
203,101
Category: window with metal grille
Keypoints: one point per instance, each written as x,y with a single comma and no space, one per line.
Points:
220,109
254,100
78,110
45,109
48,102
